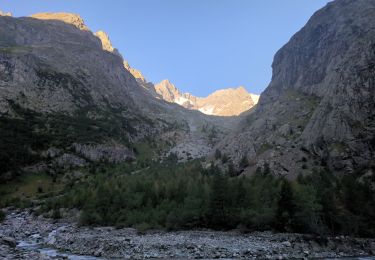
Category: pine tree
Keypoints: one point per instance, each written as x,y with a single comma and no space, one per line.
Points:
231,169
285,207
244,162
218,200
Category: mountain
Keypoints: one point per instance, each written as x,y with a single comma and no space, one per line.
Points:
69,99
318,113
64,98
225,102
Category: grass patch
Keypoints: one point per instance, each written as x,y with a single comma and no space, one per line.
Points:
29,187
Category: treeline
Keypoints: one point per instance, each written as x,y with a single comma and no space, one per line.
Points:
188,197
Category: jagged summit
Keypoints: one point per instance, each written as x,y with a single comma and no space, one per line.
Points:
70,18
168,91
224,102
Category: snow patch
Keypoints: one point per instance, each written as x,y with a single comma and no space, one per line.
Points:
208,110
255,98
181,100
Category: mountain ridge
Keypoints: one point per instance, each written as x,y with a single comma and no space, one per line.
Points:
222,102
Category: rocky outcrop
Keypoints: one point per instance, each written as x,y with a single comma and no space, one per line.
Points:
108,153
318,111
225,102
106,43
107,46
136,73
69,18
169,92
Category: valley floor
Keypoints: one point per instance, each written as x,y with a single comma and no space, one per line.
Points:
25,236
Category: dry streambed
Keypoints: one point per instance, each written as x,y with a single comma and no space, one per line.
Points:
25,236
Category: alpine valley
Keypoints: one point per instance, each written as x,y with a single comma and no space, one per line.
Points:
98,162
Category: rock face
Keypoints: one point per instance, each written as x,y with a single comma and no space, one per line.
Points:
106,43
110,153
136,73
69,18
107,46
318,113
57,82
225,102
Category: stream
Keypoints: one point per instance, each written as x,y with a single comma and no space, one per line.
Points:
52,253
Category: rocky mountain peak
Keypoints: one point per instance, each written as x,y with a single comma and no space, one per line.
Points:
69,18
106,43
224,102
5,14
168,91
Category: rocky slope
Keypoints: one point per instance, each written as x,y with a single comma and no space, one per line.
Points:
318,111
68,98
59,88
225,102
199,131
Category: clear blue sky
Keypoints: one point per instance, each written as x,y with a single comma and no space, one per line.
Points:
199,45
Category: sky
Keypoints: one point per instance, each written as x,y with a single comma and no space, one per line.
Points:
199,45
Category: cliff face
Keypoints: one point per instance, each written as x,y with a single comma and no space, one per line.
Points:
318,111
52,66
225,102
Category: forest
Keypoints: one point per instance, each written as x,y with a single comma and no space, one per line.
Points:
174,196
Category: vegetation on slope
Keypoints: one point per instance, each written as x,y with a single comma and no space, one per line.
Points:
185,196
23,138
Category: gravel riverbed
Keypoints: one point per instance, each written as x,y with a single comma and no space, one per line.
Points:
26,236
